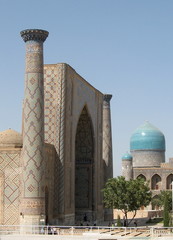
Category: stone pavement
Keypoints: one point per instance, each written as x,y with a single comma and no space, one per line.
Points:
69,237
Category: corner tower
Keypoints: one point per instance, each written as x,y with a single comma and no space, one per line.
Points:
107,147
127,170
33,202
107,138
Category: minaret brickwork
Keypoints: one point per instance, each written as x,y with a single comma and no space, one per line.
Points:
33,200
107,147
127,169
107,138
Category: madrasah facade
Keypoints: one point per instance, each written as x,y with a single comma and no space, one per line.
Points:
147,160
53,172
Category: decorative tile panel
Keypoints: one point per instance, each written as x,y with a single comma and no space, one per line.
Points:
9,182
55,91
107,138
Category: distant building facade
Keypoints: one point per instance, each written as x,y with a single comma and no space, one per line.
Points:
54,171
147,160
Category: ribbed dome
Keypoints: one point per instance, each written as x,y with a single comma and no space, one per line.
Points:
127,156
10,138
147,137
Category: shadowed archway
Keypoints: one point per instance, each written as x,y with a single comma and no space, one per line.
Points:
156,182
141,176
169,181
84,167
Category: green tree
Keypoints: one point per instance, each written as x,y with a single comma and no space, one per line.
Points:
119,224
127,196
166,209
164,200
159,201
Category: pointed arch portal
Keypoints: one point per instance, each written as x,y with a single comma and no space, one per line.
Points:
84,164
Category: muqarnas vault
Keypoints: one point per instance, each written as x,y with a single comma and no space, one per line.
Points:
54,171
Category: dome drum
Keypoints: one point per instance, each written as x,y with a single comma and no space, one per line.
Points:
148,158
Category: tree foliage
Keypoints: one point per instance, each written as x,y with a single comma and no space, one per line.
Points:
127,196
164,199
119,224
159,201
166,217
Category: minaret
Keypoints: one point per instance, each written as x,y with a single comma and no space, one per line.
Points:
127,168
107,148
107,138
33,196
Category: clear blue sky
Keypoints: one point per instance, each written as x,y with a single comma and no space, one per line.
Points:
121,47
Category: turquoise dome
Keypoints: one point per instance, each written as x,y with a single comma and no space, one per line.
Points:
147,137
127,156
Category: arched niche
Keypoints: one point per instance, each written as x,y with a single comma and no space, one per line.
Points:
84,166
156,182
141,176
169,181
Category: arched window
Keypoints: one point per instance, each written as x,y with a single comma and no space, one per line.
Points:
169,181
141,176
156,182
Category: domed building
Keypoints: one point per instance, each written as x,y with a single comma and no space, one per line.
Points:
147,146
147,159
10,138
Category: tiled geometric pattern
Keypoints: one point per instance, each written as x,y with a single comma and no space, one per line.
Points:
107,146
50,155
64,97
79,93
84,155
107,137
54,88
51,101
33,131
84,139
34,57
33,125
1,197
60,138
9,182
32,206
